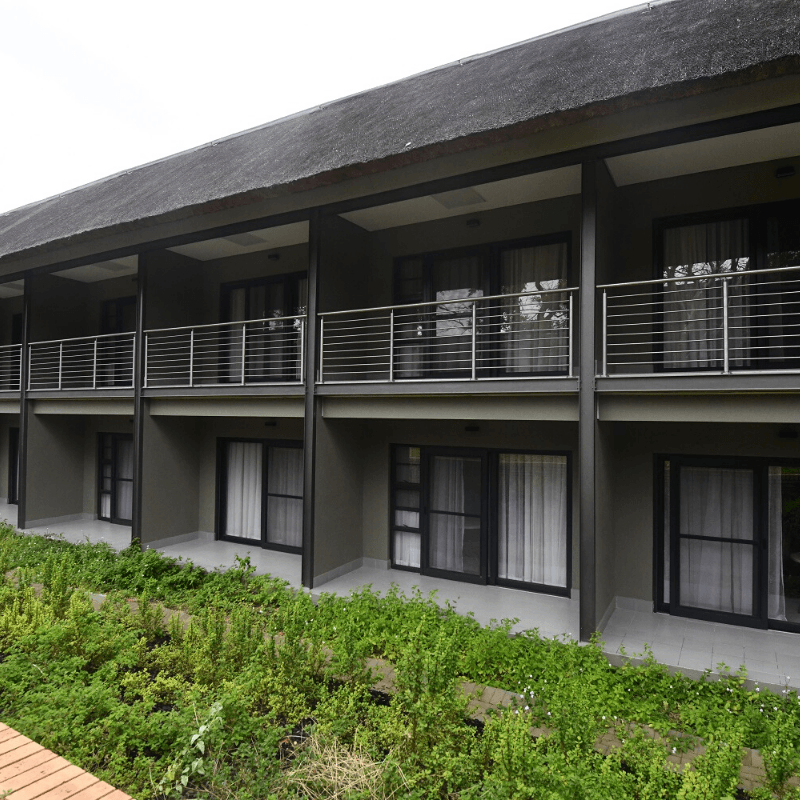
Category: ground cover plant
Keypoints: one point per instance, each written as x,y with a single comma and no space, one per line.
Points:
266,694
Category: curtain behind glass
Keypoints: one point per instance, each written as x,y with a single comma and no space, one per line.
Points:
237,305
717,575
692,318
534,331
285,496
124,479
243,490
532,519
776,606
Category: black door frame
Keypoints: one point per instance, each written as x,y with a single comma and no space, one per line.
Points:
101,461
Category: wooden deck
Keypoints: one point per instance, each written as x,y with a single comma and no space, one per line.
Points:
28,771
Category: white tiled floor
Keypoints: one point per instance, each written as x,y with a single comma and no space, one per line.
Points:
210,554
552,615
92,530
770,657
8,512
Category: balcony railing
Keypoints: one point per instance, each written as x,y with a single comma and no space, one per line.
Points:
10,365
252,353
722,323
500,337
89,362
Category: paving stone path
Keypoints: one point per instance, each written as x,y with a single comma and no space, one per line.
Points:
28,771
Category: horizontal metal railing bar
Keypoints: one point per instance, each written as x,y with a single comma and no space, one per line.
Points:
222,384
520,375
431,303
238,323
695,374
709,276
127,335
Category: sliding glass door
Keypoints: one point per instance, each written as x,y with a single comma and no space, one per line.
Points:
261,493
731,547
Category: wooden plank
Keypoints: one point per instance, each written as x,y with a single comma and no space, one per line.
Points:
24,764
35,773
71,787
14,743
29,791
18,753
96,791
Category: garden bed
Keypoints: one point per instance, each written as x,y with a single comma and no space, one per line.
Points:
262,693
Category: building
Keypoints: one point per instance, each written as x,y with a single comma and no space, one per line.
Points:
495,324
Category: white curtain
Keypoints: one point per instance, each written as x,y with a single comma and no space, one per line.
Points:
285,496
124,475
776,606
717,575
243,495
693,309
535,328
406,547
532,519
447,530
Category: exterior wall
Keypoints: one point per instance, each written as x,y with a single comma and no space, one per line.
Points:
8,308
62,308
640,204
512,222
93,426
362,475
633,448
55,476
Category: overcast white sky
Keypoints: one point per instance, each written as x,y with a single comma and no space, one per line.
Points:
92,87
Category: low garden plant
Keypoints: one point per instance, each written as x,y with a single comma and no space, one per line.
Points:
261,692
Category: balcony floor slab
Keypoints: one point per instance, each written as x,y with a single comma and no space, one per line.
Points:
87,530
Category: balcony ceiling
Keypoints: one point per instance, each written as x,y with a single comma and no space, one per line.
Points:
242,243
102,271
15,289
510,192
769,144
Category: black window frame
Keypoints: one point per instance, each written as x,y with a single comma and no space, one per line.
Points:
760,467
490,514
221,490
490,260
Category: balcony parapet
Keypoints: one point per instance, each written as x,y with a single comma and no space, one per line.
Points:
226,356
10,368
526,336
84,363
703,323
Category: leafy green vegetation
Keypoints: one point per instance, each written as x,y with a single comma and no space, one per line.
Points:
262,693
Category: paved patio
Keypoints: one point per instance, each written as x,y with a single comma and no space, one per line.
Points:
8,512
770,657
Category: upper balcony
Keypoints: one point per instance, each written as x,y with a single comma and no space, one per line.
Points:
510,337
10,367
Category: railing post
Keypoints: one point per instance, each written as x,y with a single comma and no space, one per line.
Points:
726,364
474,339
94,365
60,362
30,371
570,328
604,372
191,358
244,348
302,350
391,346
146,344
321,377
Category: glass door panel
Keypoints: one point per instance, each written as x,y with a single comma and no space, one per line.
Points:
455,520
784,544
285,496
715,548
243,490
123,479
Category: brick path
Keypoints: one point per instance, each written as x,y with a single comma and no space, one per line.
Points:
28,771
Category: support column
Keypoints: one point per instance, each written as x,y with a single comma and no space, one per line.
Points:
22,464
310,418
587,425
138,399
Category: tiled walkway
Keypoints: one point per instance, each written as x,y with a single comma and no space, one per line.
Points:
770,657
28,771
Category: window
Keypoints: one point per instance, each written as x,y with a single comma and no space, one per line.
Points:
522,329
115,350
482,516
260,494
726,298
115,473
729,540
